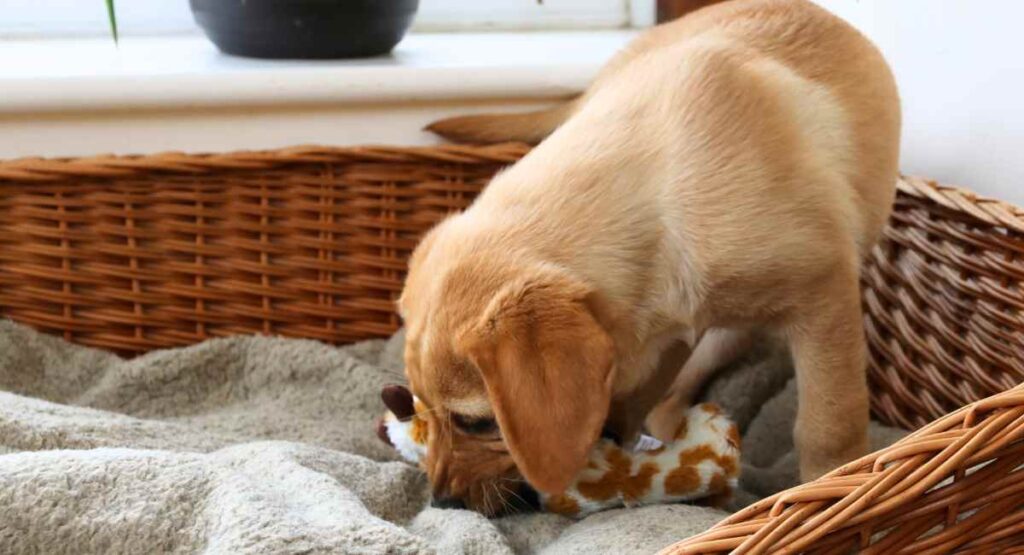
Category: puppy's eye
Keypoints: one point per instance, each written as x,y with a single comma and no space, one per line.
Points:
474,424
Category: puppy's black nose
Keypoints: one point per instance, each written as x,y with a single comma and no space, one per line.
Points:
447,503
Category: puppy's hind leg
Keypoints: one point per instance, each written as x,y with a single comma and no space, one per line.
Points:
716,349
826,338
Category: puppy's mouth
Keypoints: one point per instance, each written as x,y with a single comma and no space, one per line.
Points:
523,499
526,500
608,433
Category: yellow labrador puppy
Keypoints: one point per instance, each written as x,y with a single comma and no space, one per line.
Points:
727,171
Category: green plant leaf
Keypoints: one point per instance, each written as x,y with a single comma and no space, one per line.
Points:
112,16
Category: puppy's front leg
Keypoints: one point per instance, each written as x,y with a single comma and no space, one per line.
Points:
626,417
828,347
718,347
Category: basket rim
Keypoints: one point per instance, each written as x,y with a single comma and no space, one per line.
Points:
844,500
45,170
989,210
48,170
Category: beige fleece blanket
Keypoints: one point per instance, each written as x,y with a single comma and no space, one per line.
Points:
263,445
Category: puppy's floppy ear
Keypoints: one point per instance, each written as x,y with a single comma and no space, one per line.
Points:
547,364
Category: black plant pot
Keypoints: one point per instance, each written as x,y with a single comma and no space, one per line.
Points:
305,28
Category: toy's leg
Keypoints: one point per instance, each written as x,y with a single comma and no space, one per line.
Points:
717,348
827,341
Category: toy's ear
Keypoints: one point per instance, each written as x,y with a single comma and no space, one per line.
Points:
547,364
399,400
400,403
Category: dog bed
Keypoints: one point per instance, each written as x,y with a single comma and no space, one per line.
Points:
136,253
265,445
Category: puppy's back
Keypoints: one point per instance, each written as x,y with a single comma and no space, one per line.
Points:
827,51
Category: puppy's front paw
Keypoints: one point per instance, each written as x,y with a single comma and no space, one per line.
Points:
667,420
819,458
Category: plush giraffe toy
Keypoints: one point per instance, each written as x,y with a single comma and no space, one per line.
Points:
701,463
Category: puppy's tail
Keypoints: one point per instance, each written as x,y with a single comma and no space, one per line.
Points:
528,127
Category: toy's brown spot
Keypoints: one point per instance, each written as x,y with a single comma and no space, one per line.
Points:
419,431
718,483
619,479
711,408
682,430
728,464
562,505
719,486
685,478
694,456
732,435
682,480
640,485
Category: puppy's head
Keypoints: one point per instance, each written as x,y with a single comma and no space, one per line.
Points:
514,369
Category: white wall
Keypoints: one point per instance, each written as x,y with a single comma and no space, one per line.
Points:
960,67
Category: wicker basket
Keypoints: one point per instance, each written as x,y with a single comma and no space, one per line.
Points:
138,253
134,254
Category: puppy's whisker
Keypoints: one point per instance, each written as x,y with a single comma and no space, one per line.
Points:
505,505
450,435
503,502
488,507
516,495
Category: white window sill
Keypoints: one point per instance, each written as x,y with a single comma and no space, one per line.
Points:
84,97
47,76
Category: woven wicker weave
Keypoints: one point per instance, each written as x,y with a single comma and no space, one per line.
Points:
954,486
137,253
944,295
